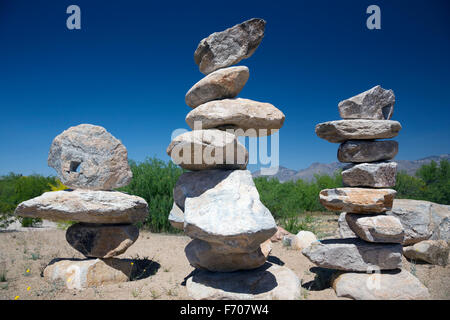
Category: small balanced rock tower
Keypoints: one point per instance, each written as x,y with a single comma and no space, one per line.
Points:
217,203
91,162
370,264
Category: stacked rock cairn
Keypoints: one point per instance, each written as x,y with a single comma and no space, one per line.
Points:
217,203
370,264
91,162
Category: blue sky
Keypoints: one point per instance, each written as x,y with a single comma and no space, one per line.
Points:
130,65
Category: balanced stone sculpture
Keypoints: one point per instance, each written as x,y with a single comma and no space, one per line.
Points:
91,162
374,239
217,203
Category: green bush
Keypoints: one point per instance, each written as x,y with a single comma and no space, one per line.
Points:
154,181
15,188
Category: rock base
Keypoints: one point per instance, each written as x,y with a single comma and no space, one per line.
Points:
388,285
268,282
82,274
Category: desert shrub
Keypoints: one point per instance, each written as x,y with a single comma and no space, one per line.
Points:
154,180
289,199
15,188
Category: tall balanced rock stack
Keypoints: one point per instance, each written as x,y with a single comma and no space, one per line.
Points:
365,199
89,160
217,203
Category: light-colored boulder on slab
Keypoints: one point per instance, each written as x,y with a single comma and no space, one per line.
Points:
344,229
89,157
422,220
82,274
221,84
218,258
101,240
387,285
176,217
367,151
357,200
223,207
268,282
354,255
208,149
339,131
226,48
376,103
243,117
431,251
375,175
305,239
376,228
85,206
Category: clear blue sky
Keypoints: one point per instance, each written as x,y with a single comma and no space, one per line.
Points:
130,65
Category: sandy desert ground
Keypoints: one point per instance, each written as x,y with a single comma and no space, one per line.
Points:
24,255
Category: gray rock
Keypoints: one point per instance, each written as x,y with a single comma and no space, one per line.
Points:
269,282
388,285
422,220
367,151
223,207
253,117
176,217
357,200
101,240
228,47
342,130
219,258
85,206
344,229
375,175
376,103
221,84
208,149
379,228
89,157
354,255
431,251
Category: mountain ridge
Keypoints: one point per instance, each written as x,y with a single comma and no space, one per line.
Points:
285,174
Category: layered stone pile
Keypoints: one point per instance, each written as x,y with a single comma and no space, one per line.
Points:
371,263
216,203
91,162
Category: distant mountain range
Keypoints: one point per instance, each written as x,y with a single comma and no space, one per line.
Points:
285,174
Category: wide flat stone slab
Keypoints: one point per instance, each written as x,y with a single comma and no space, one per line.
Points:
82,274
367,151
268,282
342,130
228,47
89,157
85,206
387,285
376,103
221,84
223,207
354,255
252,117
376,228
101,240
208,149
431,251
219,258
357,200
375,175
